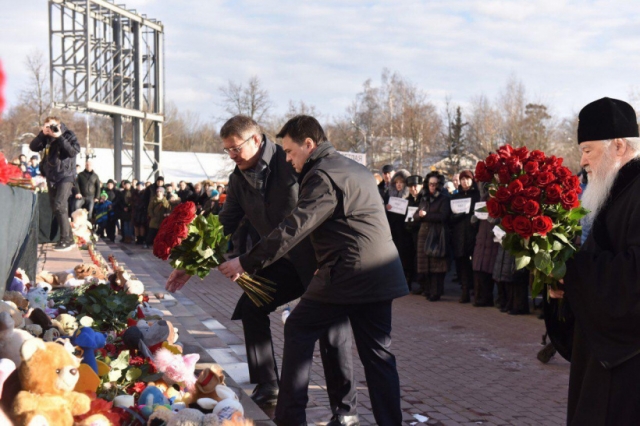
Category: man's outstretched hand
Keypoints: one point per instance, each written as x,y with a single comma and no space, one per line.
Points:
231,269
177,280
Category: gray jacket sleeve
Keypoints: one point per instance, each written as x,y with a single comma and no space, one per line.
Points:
316,203
232,212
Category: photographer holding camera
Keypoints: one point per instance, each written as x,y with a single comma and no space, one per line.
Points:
58,166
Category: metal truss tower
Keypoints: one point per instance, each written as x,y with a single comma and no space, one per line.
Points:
108,60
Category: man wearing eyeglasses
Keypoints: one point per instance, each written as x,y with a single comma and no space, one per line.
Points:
264,189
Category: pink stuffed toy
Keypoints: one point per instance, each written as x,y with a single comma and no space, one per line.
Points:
177,368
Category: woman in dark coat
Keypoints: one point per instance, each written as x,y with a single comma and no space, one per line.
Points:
484,258
433,214
513,285
139,212
414,183
463,233
401,237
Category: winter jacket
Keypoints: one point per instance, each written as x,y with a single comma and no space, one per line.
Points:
102,212
339,207
157,210
59,157
89,184
435,222
185,194
463,232
486,250
505,266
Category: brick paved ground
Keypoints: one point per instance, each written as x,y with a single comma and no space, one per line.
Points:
457,364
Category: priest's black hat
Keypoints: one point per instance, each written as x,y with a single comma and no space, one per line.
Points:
605,119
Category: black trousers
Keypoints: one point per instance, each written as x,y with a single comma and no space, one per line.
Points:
464,270
371,325
335,344
59,199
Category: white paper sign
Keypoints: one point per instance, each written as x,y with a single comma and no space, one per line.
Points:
410,212
498,234
360,158
398,205
462,205
480,215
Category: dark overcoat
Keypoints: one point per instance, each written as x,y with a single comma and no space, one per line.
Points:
463,232
603,288
438,210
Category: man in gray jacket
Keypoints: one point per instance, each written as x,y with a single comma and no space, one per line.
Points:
263,188
359,270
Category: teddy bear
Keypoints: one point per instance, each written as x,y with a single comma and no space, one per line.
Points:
89,341
16,297
12,309
86,270
66,324
80,225
48,375
37,298
207,382
11,338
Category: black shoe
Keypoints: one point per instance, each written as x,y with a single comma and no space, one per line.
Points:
265,395
63,246
546,353
340,420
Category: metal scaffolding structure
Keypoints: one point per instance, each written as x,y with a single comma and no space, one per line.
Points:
105,59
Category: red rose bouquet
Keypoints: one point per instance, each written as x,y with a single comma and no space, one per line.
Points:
536,198
197,244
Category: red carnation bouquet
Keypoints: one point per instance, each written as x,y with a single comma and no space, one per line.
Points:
536,198
197,244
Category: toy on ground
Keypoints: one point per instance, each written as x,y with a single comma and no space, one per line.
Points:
208,379
37,298
12,309
89,340
177,368
11,339
80,226
66,324
48,374
17,298
86,270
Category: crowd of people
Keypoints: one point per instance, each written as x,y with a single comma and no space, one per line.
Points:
439,230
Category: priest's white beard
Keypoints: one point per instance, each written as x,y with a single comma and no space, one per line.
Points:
599,186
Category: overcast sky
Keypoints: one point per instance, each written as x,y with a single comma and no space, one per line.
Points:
567,53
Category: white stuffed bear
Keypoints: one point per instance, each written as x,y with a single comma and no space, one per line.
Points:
37,298
11,339
81,227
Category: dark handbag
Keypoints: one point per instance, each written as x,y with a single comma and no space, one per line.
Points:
436,243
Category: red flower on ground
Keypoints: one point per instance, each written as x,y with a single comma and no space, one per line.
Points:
136,361
542,224
569,200
522,226
137,387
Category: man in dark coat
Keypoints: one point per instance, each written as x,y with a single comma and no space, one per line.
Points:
264,189
359,271
88,184
385,184
58,165
602,282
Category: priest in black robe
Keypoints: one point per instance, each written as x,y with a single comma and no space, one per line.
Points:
602,283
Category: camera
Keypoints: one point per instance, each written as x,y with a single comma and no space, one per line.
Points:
54,128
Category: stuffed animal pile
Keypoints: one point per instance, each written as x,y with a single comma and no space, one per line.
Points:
75,369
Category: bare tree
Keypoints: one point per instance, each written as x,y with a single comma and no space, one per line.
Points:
37,96
251,100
